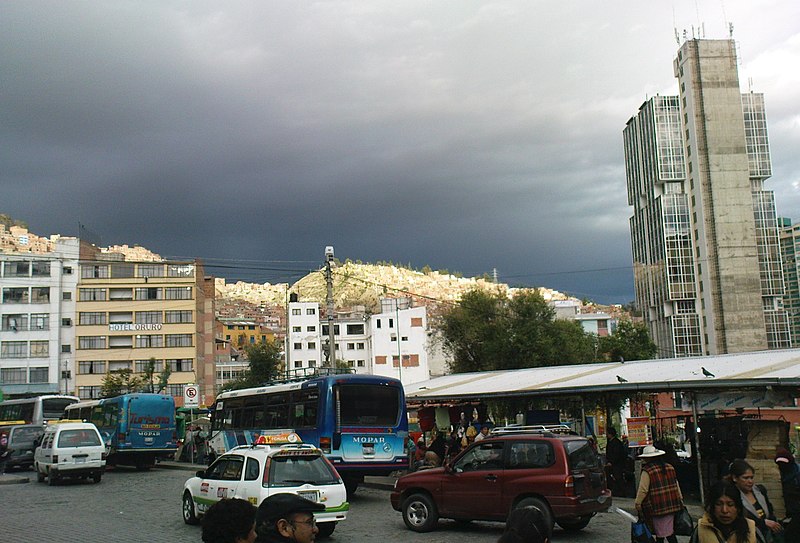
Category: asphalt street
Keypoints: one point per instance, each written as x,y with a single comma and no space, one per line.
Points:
132,506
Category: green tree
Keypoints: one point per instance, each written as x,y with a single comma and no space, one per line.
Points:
118,382
630,341
488,330
265,365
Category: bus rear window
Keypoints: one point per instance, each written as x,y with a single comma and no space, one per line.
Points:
369,405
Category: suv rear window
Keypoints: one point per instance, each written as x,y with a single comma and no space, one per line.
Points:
296,470
580,454
78,438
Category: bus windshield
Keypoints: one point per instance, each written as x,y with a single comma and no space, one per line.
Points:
368,405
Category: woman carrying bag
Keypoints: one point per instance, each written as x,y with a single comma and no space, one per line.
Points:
659,496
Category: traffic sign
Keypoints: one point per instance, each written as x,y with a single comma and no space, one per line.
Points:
191,396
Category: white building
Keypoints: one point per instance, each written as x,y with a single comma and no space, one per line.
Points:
400,334
303,337
37,308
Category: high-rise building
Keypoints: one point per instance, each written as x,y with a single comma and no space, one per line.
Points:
706,253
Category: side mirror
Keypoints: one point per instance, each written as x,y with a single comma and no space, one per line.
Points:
201,473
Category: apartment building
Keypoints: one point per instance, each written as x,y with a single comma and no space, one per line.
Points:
706,253
37,308
131,312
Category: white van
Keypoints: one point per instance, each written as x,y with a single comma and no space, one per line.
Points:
70,449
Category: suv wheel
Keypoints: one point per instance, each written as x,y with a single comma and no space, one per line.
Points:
325,529
189,516
573,525
419,513
542,506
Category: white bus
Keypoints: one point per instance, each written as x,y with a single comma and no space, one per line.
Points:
36,410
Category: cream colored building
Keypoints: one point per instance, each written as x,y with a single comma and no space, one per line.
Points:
129,312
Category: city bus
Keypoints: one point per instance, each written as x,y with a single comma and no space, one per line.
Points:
36,410
138,428
359,421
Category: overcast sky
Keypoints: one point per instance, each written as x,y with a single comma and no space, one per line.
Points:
462,135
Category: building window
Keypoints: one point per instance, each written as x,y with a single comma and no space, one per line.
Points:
88,393
13,376
40,349
66,322
148,293
91,342
151,270
144,341
94,271
16,295
91,367
66,348
178,293
40,295
148,317
14,349
179,364
39,375
295,311
92,294
40,321
91,317
178,317
179,340
311,311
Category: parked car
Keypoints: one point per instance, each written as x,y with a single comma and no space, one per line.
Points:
21,439
560,474
70,449
255,472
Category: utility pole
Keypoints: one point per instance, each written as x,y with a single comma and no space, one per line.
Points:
329,300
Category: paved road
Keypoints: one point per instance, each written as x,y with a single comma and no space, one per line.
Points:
131,506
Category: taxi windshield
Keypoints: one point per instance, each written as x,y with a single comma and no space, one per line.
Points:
296,470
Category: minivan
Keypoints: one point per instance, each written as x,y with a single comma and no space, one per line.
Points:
71,449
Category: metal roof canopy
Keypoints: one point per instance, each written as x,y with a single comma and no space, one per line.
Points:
777,369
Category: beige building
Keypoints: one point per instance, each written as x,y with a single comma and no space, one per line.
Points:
129,312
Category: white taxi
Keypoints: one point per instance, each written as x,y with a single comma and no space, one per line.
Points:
255,472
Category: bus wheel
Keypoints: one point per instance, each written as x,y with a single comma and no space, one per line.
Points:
189,516
326,529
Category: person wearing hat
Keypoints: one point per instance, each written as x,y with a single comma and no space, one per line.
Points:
659,496
287,517
790,483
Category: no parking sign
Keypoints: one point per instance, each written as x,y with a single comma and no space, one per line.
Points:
191,396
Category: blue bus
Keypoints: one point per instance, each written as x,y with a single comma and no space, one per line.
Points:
36,410
138,428
359,421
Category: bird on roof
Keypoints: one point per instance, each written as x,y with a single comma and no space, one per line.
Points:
621,379
706,372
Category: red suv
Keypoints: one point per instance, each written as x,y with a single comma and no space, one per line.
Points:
560,474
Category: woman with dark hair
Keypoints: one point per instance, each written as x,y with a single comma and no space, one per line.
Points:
525,525
755,501
230,521
724,521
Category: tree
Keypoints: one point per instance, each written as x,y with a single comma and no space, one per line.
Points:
488,331
630,341
119,382
265,365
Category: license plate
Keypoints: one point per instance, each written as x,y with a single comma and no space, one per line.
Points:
311,495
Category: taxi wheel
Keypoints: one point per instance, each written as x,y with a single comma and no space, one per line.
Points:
189,516
326,529
419,513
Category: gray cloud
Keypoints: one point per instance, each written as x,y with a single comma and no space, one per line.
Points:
463,135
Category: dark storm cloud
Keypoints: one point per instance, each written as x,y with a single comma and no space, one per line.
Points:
462,135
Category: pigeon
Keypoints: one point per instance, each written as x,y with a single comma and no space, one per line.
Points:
621,379
706,372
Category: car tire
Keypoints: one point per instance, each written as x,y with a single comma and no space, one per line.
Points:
97,477
325,529
420,513
574,525
189,516
542,506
